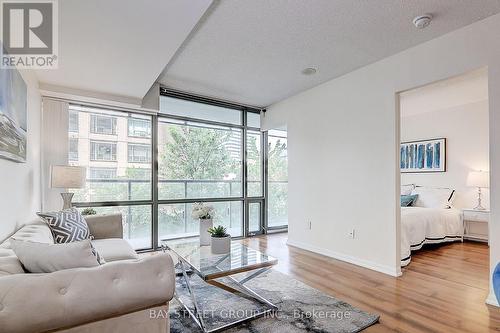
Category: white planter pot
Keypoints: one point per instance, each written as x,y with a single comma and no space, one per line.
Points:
205,224
221,245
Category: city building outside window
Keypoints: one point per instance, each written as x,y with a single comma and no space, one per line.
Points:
139,128
73,149
102,173
139,153
102,151
102,124
73,121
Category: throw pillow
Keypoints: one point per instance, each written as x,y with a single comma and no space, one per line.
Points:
408,200
66,225
47,258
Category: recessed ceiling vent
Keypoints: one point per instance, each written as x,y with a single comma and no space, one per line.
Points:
422,21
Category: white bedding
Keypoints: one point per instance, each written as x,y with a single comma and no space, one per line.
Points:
421,226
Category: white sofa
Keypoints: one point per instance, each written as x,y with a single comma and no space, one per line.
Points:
126,294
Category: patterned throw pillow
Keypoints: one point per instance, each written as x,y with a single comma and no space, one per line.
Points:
66,225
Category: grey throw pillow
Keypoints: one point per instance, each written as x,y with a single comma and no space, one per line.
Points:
47,258
66,225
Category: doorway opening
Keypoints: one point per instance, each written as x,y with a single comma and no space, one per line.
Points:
444,163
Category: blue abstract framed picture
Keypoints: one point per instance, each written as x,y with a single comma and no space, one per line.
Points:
423,156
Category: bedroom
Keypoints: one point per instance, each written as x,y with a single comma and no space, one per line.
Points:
444,157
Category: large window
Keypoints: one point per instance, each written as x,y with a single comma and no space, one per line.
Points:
277,196
110,175
198,160
102,151
199,156
100,124
254,164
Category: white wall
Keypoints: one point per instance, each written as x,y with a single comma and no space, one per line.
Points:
466,130
20,194
344,140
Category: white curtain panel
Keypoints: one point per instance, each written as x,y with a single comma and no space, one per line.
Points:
55,145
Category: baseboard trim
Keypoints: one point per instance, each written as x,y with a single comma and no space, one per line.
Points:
492,300
347,258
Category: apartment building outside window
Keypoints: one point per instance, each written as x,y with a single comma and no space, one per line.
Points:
139,128
102,151
139,153
73,149
102,173
110,176
73,121
100,124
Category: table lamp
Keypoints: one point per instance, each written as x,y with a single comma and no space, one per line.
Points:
479,179
64,176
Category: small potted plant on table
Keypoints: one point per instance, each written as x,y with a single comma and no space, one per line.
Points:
221,240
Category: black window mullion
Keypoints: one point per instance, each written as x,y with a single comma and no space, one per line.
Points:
154,182
245,176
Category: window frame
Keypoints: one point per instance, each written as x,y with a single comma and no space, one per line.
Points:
154,202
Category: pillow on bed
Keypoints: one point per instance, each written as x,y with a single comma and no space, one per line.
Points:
407,200
406,189
429,197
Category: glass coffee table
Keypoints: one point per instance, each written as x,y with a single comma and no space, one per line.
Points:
217,270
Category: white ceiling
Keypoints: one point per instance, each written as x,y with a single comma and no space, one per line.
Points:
253,52
461,90
119,46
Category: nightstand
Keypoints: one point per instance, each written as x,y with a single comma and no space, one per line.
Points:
476,224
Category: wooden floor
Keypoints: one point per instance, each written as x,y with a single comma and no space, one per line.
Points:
442,290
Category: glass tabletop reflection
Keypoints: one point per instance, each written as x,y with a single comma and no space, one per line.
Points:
210,266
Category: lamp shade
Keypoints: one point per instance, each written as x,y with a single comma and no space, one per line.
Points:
64,176
478,179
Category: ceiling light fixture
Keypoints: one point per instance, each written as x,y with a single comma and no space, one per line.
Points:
309,71
422,21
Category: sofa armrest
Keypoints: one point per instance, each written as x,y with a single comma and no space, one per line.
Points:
43,302
105,226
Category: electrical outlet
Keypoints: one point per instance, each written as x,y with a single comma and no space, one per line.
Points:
352,234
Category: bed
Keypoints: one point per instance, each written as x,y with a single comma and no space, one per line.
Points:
420,226
430,220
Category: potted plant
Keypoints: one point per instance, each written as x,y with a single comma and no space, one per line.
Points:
89,211
204,213
221,240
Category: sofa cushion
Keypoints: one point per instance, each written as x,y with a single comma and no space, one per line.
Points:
36,232
105,226
67,225
9,263
47,258
114,249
